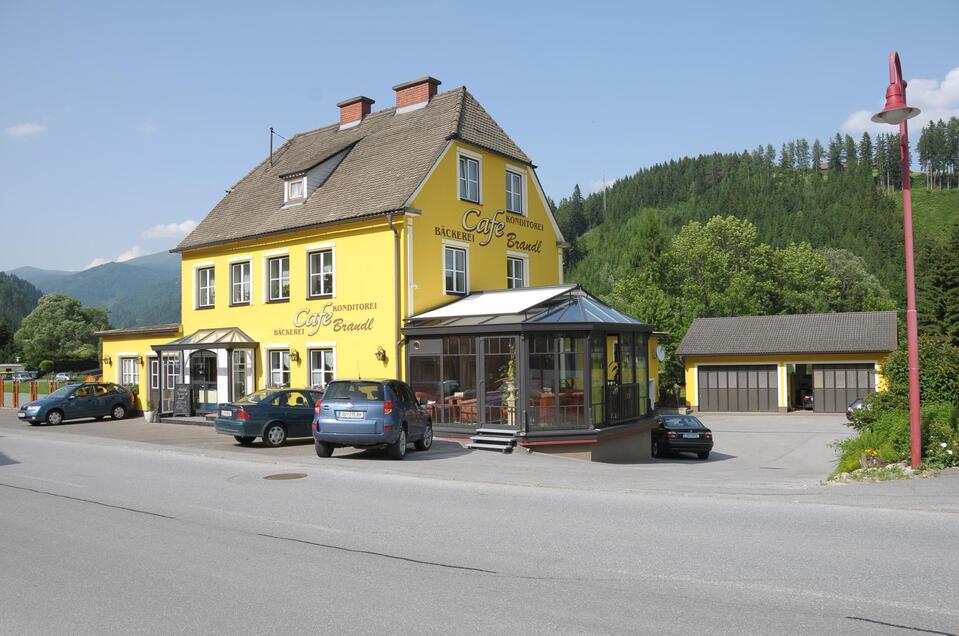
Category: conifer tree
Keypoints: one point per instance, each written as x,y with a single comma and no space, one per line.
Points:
817,155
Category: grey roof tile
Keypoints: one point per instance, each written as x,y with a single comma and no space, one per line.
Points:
867,331
391,154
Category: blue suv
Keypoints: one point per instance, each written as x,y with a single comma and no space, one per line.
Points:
370,414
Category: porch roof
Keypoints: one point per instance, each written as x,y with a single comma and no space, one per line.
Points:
556,308
219,338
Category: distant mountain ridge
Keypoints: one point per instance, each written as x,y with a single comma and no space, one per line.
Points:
140,291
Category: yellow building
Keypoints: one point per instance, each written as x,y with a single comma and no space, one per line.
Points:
781,363
311,265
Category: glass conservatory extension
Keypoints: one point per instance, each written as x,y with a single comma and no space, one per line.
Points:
529,360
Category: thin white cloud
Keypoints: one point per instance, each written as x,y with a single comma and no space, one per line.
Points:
133,252
169,230
937,100
24,130
597,185
148,129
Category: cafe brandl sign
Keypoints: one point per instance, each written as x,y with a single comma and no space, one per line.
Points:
309,323
482,229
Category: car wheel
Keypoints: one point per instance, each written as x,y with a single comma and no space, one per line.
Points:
243,439
656,451
54,417
703,455
274,435
323,449
397,450
427,441
119,412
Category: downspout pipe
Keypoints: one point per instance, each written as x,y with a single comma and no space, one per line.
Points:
396,289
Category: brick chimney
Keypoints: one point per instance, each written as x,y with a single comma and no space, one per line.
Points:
415,94
353,110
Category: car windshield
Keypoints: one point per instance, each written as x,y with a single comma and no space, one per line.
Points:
681,421
63,391
263,395
356,391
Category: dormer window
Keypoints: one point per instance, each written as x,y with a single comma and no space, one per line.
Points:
295,190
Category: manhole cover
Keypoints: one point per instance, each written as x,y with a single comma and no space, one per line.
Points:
281,476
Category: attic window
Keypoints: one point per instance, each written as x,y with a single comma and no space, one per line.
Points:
294,190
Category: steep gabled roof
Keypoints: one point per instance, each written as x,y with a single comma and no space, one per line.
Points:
390,156
864,331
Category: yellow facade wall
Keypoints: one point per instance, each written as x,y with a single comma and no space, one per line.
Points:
140,346
653,366
690,363
356,321
532,235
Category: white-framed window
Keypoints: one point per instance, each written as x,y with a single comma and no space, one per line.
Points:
514,192
205,296
454,270
294,190
469,178
321,268
154,373
279,368
129,371
240,283
279,278
322,367
241,367
516,274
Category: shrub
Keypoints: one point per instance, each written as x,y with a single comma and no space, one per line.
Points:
887,431
938,372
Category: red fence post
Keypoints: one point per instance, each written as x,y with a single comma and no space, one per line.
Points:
16,394
34,389
3,391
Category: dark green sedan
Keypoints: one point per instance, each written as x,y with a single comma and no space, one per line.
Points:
274,415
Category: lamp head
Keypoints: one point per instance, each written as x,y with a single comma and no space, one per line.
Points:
896,110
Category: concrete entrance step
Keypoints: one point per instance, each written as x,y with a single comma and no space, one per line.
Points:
503,448
196,420
498,439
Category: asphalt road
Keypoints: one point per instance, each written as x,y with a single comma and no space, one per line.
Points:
109,534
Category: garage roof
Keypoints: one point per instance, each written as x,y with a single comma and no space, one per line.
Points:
864,331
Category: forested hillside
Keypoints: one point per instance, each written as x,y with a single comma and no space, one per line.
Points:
17,299
141,291
788,198
810,228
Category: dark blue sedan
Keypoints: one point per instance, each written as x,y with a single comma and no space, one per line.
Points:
75,401
272,414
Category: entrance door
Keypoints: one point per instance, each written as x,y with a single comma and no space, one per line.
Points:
499,390
203,381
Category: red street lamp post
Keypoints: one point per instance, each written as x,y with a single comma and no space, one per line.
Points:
897,112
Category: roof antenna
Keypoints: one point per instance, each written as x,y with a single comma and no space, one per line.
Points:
272,134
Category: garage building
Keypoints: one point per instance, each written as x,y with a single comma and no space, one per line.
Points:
769,363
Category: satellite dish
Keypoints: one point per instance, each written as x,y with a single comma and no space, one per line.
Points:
660,353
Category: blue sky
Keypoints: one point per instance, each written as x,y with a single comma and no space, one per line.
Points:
123,123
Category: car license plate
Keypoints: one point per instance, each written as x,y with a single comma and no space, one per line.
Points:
350,415
21,414
691,435
226,413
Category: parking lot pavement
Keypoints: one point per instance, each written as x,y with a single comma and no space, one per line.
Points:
753,455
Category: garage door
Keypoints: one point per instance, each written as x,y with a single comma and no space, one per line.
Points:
739,388
836,386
